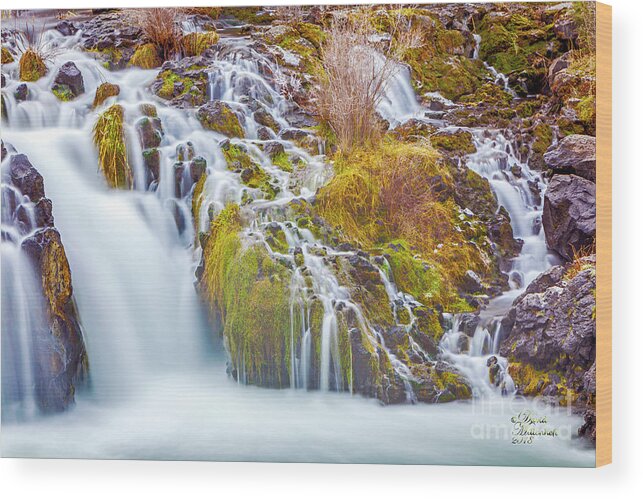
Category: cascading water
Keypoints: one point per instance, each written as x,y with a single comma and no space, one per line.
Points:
159,388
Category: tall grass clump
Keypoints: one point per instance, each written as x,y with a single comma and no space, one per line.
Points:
159,27
35,53
109,139
196,43
352,83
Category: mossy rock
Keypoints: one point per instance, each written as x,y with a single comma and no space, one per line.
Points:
459,142
219,117
32,66
62,92
104,92
7,56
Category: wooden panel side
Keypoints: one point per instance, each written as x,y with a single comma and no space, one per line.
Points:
603,234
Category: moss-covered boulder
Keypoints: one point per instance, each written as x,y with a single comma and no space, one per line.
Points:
183,82
32,66
68,83
104,92
219,117
7,56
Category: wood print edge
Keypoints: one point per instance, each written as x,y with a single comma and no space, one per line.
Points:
604,234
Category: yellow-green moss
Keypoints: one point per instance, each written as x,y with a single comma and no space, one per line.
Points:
146,57
196,43
32,66
226,122
197,200
7,56
282,161
459,142
109,139
250,291
105,91
62,92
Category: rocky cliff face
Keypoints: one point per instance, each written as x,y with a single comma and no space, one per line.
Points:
59,361
551,336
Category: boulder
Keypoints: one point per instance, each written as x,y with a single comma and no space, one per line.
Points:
574,154
69,78
273,148
59,353
150,132
569,214
66,28
26,178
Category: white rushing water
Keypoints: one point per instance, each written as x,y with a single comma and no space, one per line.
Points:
159,388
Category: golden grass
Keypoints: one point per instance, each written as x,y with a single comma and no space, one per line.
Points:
112,153
146,57
196,43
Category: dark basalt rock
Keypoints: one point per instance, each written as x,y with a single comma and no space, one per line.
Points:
551,327
273,148
59,357
574,154
66,28
569,214
22,92
69,76
26,178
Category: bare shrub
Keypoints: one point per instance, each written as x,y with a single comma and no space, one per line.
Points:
353,82
159,26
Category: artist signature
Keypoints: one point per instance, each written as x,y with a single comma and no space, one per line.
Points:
527,427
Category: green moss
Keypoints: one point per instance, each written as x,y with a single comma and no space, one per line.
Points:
248,15
189,86
459,142
109,139
543,137
237,158
62,92
225,122
197,199
412,275
32,66
282,161
250,291
489,94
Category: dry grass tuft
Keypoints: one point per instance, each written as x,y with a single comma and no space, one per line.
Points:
105,91
146,57
159,26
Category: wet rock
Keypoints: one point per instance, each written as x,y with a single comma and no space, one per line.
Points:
59,352
66,28
150,132
273,149
263,133
472,283
152,162
264,118
588,429
574,154
185,152
22,92
569,214
566,29
557,66
197,168
26,178
551,327
69,78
